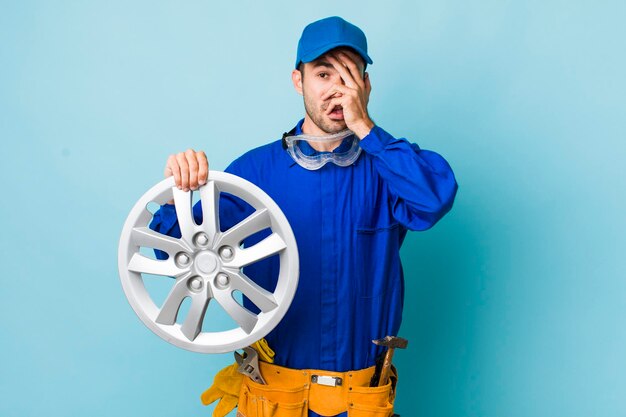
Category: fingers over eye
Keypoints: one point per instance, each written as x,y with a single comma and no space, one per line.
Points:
342,70
347,69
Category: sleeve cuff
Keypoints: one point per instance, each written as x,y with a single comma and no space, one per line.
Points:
168,216
376,141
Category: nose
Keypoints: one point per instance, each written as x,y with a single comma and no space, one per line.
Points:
339,81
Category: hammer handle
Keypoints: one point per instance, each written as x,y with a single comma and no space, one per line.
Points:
384,372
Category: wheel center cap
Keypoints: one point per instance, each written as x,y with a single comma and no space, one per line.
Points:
206,262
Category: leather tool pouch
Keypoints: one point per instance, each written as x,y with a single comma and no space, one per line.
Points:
291,393
257,400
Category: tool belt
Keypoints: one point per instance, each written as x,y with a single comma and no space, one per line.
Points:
292,392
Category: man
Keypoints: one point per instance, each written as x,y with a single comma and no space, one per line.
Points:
350,197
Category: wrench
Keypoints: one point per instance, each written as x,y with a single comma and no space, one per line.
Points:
249,364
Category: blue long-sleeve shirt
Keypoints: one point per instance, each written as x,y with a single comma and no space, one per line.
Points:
349,224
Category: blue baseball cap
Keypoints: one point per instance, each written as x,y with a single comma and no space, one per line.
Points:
323,35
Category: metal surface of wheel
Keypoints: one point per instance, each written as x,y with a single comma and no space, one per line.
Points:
206,264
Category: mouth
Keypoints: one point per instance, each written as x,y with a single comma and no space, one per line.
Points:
336,113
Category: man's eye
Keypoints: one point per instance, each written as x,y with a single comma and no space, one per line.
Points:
323,75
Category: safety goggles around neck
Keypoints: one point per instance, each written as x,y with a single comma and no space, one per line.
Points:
304,149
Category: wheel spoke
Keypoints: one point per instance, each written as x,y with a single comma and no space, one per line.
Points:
143,264
184,212
265,248
172,303
193,322
143,236
252,224
262,298
210,201
245,319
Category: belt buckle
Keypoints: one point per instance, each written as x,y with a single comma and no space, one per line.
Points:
329,381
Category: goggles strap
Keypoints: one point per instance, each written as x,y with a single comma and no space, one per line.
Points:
290,133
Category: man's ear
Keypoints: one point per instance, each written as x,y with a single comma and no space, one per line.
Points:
296,78
368,87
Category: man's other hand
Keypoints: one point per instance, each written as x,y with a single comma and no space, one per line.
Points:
190,169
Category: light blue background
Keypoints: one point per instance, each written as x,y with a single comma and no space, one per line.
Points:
515,302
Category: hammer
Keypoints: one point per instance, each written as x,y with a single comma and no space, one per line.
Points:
392,342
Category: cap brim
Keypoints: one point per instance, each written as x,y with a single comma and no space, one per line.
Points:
316,53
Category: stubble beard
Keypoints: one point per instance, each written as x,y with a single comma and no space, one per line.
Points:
318,117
